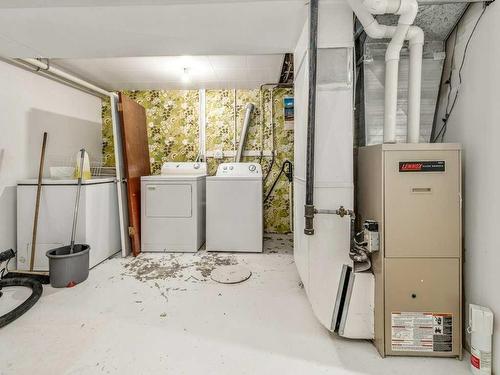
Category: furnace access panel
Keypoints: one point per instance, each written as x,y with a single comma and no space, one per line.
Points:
414,192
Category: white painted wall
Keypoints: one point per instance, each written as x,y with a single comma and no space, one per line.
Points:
320,258
475,122
30,105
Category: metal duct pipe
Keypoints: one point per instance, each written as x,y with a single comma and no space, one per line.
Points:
244,131
66,76
311,117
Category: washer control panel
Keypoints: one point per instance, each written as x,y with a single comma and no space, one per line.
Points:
239,170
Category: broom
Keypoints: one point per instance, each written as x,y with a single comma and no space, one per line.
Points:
42,277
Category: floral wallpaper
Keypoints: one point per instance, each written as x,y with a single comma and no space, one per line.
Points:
108,149
278,209
173,119
219,120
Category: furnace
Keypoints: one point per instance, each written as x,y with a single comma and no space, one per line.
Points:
413,191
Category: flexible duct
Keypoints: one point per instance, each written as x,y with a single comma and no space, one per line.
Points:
407,9
244,132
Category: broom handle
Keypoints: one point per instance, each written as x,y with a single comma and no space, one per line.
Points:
75,214
37,204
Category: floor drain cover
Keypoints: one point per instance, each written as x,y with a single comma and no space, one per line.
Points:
230,274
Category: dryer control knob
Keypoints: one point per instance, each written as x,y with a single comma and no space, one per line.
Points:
196,165
252,168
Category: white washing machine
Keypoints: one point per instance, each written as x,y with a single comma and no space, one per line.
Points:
234,208
173,208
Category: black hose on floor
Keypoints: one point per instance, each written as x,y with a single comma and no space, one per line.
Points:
36,288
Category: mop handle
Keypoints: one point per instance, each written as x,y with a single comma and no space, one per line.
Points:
77,202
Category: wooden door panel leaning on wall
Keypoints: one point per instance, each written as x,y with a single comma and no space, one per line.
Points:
137,164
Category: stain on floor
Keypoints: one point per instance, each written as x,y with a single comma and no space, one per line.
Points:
174,272
196,267
210,261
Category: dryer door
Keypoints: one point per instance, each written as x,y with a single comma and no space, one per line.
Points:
168,200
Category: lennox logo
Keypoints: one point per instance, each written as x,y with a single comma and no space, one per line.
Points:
411,167
422,166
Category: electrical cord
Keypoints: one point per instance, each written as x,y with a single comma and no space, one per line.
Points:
6,255
288,173
4,270
449,110
270,168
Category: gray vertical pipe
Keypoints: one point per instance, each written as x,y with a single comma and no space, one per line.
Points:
311,117
244,132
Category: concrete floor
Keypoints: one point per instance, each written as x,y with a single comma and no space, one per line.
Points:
162,314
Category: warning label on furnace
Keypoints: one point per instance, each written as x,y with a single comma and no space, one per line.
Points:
421,332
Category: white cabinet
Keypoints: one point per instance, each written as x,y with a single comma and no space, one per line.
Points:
98,224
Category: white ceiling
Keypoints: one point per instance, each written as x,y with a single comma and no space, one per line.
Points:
121,28
92,3
148,73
